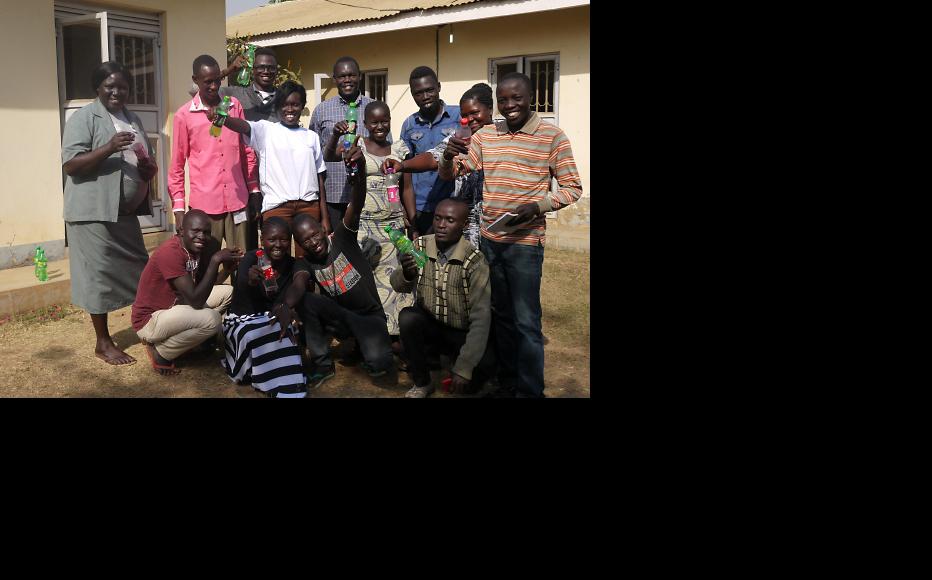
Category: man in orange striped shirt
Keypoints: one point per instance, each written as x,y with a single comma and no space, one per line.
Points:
518,158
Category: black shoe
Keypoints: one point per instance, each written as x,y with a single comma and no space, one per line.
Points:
320,376
502,392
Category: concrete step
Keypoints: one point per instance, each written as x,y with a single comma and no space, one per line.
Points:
20,291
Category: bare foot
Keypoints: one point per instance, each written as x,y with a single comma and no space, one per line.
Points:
160,364
108,352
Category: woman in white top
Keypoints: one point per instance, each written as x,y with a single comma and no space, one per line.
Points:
291,164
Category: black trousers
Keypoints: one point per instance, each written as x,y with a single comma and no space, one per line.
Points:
318,312
420,330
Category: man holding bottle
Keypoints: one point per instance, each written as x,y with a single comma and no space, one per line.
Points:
221,170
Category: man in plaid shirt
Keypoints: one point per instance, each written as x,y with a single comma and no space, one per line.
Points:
329,117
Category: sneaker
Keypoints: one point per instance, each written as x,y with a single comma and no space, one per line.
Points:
419,392
373,373
320,376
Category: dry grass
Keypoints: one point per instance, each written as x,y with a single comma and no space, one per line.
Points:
49,352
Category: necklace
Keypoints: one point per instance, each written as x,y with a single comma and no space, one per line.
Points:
191,265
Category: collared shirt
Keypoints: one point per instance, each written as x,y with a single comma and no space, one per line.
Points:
454,287
422,135
222,170
255,106
444,256
324,117
517,169
96,197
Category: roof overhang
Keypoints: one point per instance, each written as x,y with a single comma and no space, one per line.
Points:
418,19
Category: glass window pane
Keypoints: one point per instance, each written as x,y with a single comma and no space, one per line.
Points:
137,54
81,48
542,80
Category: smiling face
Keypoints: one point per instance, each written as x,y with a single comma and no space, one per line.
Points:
195,232
264,71
514,102
290,113
276,242
426,93
310,236
379,123
113,92
346,75
207,80
478,114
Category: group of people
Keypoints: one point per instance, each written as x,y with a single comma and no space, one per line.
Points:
476,299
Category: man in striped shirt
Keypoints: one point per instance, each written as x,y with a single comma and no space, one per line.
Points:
518,159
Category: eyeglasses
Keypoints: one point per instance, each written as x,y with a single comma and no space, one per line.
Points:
268,67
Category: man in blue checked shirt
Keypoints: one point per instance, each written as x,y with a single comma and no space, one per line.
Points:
330,116
423,131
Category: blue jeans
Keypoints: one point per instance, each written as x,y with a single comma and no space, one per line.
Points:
515,271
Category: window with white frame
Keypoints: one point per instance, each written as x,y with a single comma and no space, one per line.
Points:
375,83
544,72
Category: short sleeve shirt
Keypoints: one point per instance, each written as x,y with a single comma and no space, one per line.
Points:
345,275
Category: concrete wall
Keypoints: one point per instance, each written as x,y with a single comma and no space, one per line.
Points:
31,208
466,62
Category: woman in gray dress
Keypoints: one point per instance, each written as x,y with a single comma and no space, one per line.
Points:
109,164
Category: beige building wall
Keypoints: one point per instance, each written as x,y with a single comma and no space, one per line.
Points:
466,62
31,208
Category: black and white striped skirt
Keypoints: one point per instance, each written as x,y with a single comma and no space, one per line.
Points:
253,348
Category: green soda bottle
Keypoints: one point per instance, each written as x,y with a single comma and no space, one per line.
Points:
35,260
406,246
42,265
245,73
350,136
223,111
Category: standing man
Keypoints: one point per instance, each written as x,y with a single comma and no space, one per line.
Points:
423,131
258,101
329,117
518,158
222,171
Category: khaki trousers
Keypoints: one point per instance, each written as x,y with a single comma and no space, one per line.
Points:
223,228
180,328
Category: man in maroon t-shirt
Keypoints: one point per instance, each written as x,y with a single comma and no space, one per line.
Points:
169,313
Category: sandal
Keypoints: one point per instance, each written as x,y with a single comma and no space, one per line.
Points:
158,367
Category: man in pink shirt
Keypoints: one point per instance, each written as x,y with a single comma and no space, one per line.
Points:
223,172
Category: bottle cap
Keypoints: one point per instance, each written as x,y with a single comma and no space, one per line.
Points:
259,253
464,121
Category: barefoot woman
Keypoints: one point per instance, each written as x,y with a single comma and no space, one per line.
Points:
107,186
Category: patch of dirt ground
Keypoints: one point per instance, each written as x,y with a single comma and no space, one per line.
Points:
49,353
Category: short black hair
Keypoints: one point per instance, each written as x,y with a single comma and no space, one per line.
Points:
346,59
301,218
201,61
105,69
376,105
286,88
480,92
266,51
519,76
421,72
275,222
